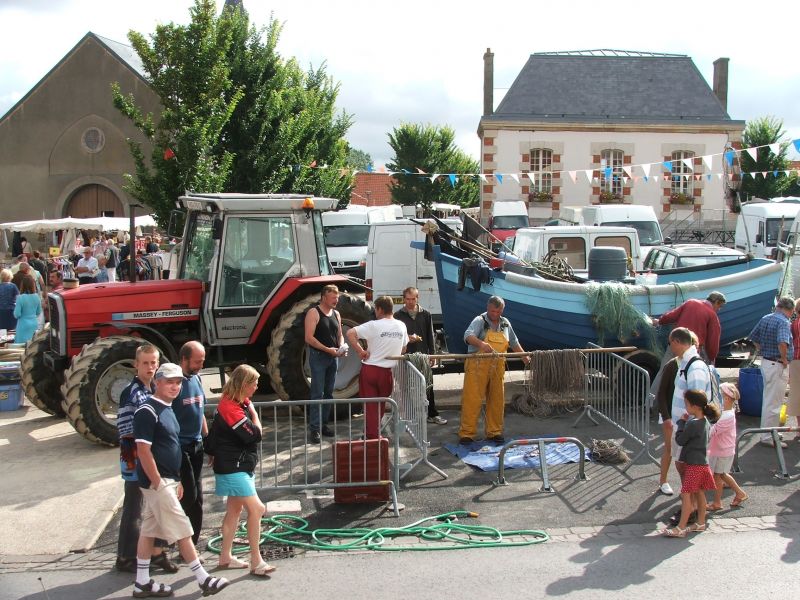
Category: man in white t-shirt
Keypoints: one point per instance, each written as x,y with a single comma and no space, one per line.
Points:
385,336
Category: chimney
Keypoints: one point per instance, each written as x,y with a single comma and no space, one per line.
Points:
721,81
488,82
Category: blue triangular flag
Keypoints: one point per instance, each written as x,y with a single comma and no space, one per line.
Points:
452,179
608,172
796,144
775,173
499,177
729,157
668,165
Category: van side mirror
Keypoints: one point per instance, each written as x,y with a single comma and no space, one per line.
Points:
759,239
177,219
667,240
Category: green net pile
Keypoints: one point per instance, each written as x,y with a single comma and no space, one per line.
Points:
553,385
615,316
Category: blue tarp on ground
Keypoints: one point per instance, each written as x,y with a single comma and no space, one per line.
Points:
484,455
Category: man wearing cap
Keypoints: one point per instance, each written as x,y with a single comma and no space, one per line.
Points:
156,430
772,336
87,267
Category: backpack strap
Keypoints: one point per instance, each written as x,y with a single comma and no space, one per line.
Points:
685,370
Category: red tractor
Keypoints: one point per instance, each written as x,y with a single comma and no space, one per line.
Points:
250,266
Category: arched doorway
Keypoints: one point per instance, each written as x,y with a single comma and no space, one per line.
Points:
94,200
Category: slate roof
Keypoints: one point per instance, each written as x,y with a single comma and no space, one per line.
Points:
123,52
610,86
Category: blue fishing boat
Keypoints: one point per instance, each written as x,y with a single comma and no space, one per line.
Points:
553,314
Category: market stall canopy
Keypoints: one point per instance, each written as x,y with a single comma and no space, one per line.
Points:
98,223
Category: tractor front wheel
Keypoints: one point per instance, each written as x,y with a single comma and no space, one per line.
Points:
93,384
42,386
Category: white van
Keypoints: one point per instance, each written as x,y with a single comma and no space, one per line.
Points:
573,243
641,218
508,216
393,265
347,235
760,223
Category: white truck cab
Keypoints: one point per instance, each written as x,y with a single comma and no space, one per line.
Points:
572,243
760,224
641,218
507,216
347,235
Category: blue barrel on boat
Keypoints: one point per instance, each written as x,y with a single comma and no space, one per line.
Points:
608,263
751,390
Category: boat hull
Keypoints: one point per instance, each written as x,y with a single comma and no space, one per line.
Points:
549,315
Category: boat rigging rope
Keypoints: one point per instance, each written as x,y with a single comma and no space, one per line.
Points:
293,531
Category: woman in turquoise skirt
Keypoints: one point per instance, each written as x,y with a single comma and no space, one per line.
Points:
27,309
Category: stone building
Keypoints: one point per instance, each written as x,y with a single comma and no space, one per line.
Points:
609,126
63,149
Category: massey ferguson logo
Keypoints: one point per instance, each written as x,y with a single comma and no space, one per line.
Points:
156,314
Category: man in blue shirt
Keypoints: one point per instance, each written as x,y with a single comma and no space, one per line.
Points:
188,407
132,397
772,336
156,431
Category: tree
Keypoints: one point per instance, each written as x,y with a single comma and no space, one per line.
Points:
431,149
762,132
235,115
358,159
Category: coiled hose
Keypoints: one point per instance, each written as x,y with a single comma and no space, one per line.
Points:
290,530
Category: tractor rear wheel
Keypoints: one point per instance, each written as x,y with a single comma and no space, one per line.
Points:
287,354
42,386
93,384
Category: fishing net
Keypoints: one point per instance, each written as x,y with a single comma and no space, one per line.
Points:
615,316
554,384
608,452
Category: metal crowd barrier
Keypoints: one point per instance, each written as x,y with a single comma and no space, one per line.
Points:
546,487
290,461
776,441
616,390
410,393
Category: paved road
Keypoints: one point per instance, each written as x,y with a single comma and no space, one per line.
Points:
757,563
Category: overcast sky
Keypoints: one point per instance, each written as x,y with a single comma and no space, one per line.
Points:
422,62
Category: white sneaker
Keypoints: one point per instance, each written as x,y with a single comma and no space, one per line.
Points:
438,420
666,489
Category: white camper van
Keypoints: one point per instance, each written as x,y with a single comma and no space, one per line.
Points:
573,243
347,235
641,218
760,223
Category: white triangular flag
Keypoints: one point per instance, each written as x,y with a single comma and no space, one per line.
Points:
764,174
775,148
646,169
483,177
707,161
588,173
753,152
689,162
572,175
433,177
719,176
532,177
514,176
628,170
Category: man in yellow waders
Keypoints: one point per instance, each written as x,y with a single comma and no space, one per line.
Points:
483,377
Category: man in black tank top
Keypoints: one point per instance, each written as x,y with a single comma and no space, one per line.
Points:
323,334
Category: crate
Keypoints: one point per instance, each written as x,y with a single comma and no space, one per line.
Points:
350,466
9,371
10,397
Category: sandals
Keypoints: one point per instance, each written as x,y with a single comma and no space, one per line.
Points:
674,532
262,570
234,563
213,585
739,501
696,527
151,590
713,507
163,562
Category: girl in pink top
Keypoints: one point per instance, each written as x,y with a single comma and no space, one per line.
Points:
721,448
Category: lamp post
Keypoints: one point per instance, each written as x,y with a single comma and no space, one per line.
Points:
131,245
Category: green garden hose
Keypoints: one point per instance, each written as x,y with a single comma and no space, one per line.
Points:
290,530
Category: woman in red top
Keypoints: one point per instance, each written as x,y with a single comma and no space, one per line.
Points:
233,442
793,404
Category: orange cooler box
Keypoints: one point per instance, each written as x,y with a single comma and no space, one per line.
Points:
350,466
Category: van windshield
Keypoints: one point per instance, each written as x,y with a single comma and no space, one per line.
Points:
648,231
509,222
774,227
343,236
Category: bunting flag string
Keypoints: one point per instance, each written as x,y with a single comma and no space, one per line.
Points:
628,174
